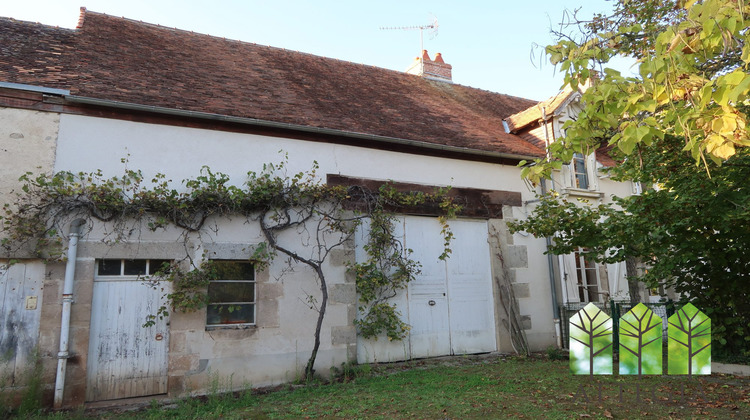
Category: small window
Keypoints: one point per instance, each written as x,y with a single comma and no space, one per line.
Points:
580,172
124,268
231,298
587,275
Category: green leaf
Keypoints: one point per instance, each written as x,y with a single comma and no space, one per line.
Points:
649,105
721,95
640,342
689,342
627,144
590,342
641,132
740,89
734,78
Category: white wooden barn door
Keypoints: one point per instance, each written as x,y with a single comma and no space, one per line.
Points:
20,309
126,359
470,289
450,303
429,310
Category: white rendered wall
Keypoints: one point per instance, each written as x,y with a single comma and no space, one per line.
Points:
27,144
88,144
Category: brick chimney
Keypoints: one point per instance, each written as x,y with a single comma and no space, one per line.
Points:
431,69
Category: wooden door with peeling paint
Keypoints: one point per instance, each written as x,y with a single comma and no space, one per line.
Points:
20,312
126,359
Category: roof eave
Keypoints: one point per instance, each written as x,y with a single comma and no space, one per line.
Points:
292,127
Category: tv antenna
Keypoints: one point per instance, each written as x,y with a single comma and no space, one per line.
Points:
433,30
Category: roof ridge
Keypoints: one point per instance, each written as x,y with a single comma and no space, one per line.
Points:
31,22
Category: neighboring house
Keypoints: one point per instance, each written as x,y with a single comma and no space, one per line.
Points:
578,278
171,101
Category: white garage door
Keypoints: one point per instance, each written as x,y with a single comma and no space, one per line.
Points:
450,302
449,306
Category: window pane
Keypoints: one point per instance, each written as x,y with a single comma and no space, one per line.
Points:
109,267
593,294
135,267
234,270
593,285
230,314
231,292
590,264
156,265
582,181
579,169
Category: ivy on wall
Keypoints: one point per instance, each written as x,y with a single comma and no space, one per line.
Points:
276,201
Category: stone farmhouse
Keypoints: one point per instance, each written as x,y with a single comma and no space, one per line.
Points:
172,101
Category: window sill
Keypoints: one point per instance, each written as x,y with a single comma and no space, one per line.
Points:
231,327
577,192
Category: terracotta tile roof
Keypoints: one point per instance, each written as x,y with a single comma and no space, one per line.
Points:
35,53
124,60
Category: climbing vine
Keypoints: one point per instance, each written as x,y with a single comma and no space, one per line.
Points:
322,216
389,267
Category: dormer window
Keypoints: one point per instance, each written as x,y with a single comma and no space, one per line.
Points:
580,172
579,178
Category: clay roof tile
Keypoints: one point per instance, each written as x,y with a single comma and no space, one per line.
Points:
124,60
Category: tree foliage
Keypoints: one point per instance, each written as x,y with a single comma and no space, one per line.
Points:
692,230
691,78
678,126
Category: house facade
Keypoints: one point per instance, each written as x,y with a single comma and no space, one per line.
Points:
116,94
584,181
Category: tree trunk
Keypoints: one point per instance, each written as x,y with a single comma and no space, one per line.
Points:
632,274
309,369
316,266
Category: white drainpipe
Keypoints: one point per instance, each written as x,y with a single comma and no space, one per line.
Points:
67,302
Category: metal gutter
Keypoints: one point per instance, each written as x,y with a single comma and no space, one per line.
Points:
287,126
32,88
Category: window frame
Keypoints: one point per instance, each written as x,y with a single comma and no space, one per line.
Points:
122,276
253,303
580,172
582,273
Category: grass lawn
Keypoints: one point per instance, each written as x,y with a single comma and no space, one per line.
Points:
470,387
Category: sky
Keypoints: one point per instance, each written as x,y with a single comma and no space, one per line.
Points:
490,44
